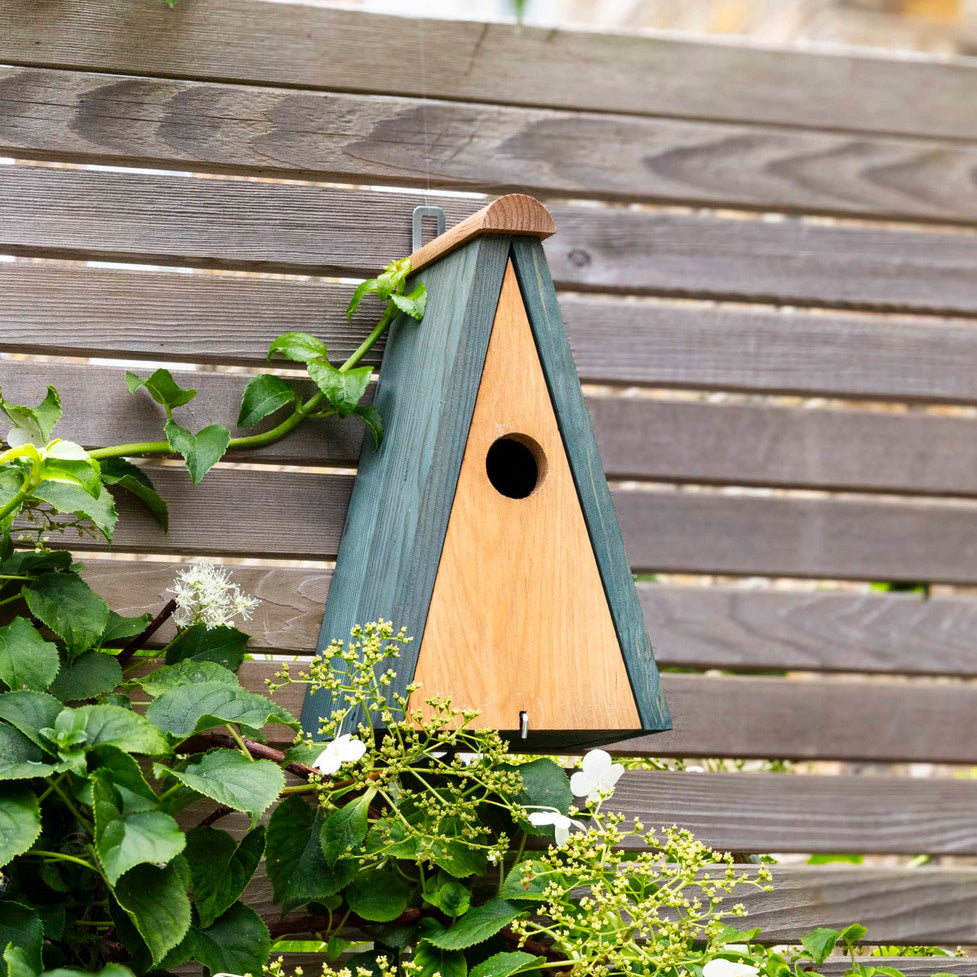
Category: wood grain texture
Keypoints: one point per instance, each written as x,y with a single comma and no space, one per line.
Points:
301,227
829,719
638,438
713,627
901,906
541,305
776,812
398,515
102,118
537,636
515,214
246,40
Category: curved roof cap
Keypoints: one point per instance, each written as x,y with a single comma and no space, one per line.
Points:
515,213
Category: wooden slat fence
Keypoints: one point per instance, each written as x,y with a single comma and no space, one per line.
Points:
701,265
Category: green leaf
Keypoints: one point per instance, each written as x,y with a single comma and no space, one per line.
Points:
185,710
127,779
118,471
123,841
378,896
221,868
545,785
162,388
20,759
853,933
69,607
21,926
298,346
20,821
362,290
414,304
452,898
432,961
373,420
223,645
477,925
344,389
27,661
345,828
827,858
264,395
113,726
527,881
186,673
392,278
236,943
66,461
200,451
34,424
120,628
227,777
93,673
294,860
16,963
458,857
155,900
506,964
30,712
73,499
819,943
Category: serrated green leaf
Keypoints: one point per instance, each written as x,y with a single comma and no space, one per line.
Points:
20,759
373,420
478,925
452,898
113,726
507,964
392,277
35,424
294,860
27,661
819,943
345,828
155,900
221,868
236,943
298,346
74,500
227,777
127,779
21,926
125,840
91,674
20,821
162,388
853,933
262,396
66,461
187,673
69,607
545,784
30,712
344,389
379,896
414,304
185,710
201,451
361,291
223,645
118,471
119,628
433,961
526,881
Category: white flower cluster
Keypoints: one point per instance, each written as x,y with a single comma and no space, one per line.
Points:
205,595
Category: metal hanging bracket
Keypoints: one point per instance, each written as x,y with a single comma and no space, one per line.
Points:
417,224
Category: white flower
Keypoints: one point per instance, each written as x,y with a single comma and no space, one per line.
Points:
205,595
560,822
596,777
345,749
726,968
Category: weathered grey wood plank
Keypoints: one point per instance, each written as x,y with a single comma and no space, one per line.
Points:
299,514
910,966
638,438
785,813
52,307
832,719
247,40
248,224
900,906
713,627
88,117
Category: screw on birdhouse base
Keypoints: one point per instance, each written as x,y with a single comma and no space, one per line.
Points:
417,224
523,725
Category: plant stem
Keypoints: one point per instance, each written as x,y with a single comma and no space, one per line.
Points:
125,656
22,493
65,858
236,736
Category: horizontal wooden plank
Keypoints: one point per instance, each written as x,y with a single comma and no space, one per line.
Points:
639,438
247,40
142,121
784,813
301,227
899,906
299,514
923,966
52,307
713,627
832,719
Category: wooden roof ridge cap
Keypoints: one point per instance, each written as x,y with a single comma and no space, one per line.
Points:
515,213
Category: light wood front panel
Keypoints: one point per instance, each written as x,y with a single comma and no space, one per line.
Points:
518,618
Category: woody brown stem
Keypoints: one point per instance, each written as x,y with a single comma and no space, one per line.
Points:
125,656
260,751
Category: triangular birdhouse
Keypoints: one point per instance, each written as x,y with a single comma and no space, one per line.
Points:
484,524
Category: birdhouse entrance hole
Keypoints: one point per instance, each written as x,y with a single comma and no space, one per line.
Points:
515,465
